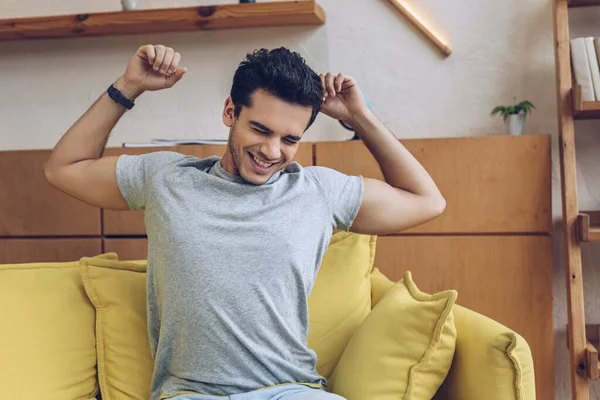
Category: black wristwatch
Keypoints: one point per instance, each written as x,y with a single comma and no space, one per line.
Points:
119,98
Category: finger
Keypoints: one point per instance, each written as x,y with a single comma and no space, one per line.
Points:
330,79
174,63
160,56
339,80
169,53
147,52
322,76
177,75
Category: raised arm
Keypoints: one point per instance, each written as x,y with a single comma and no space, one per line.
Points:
409,196
76,165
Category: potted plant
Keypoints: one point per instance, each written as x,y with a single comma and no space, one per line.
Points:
515,115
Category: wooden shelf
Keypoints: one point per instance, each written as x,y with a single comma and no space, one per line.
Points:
589,226
592,333
229,16
584,109
584,3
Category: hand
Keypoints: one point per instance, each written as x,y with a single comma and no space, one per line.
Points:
152,68
343,99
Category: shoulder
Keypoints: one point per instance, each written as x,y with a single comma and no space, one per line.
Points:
320,174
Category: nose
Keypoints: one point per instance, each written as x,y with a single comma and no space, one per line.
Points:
271,149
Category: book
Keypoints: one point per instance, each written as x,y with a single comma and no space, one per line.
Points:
173,142
581,69
594,68
176,142
141,144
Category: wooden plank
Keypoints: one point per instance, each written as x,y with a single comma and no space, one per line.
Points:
494,184
429,35
507,278
13,251
584,109
127,249
584,3
228,16
592,359
589,226
570,212
132,222
30,206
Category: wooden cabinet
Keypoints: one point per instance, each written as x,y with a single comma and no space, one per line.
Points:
30,206
13,251
492,184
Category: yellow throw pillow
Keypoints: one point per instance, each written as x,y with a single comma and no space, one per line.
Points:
47,347
492,362
341,296
403,350
117,289
380,285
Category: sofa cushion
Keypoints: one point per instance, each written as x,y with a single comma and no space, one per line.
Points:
380,285
403,349
48,348
117,289
341,296
492,362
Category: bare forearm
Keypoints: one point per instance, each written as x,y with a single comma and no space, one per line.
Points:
86,139
400,169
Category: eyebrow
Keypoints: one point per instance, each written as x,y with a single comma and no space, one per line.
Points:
269,130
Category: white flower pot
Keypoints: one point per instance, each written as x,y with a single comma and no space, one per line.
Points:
516,123
129,4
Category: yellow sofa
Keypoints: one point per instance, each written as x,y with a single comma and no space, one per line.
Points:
77,331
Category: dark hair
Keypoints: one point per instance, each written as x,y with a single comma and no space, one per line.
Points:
281,73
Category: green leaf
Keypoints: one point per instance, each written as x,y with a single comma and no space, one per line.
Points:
499,110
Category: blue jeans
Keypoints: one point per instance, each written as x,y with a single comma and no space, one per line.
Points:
282,392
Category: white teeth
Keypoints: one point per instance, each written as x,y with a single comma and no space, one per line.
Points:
262,164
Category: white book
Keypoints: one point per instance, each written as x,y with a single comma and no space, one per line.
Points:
597,48
594,68
141,144
175,142
581,69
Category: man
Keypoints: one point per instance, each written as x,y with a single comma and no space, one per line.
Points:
234,243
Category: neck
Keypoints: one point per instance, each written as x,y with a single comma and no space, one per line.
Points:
228,164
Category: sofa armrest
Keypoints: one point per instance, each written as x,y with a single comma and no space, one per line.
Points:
491,362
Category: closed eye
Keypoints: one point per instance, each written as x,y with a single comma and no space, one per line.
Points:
260,132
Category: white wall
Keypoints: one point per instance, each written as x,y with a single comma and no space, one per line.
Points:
501,50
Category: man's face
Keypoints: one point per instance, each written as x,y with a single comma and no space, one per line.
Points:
264,138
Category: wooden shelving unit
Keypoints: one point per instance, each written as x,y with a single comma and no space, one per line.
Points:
229,16
584,109
584,340
589,226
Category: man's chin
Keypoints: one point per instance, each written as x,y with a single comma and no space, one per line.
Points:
255,179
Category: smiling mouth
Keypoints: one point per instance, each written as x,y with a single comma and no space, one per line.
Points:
259,165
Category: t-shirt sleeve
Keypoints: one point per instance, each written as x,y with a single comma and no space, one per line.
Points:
343,194
137,175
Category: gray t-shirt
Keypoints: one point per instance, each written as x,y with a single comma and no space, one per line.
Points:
230,268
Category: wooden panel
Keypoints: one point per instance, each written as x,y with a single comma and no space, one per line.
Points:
227,16
507,278
14,251
495,184
30,206
132,222
127,249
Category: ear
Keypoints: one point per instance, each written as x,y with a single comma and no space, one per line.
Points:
228,112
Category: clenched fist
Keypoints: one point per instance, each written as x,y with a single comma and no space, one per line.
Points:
153,67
